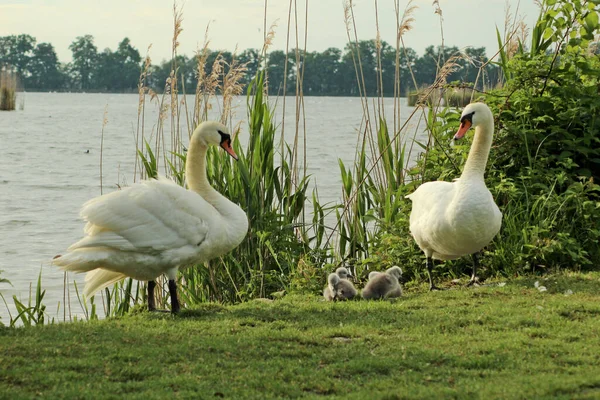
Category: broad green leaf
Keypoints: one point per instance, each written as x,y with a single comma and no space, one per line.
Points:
591,20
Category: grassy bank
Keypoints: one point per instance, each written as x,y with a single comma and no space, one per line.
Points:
511,341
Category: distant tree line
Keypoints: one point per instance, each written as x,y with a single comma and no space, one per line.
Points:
328,73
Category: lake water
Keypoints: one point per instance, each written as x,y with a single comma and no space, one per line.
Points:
47,173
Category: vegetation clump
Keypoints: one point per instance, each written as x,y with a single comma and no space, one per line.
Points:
8,90
545,162
327,73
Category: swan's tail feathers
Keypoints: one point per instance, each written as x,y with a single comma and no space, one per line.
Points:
98,279
79,261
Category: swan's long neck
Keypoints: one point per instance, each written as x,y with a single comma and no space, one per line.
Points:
195,172
197,180
480,150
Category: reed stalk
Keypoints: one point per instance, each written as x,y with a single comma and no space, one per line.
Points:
273,194
8,90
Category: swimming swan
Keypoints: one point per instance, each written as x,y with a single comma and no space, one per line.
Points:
453,219
383,285
156,226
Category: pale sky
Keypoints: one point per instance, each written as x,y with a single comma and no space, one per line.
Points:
240,23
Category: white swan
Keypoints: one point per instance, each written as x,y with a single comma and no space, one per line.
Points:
383,285
338,286
156,226
453,219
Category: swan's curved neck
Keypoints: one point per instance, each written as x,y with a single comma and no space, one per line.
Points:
197,180
480,151
195,171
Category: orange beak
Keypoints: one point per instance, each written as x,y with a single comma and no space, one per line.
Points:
226,145
464,127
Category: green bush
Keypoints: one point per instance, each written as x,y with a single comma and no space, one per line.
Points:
545,160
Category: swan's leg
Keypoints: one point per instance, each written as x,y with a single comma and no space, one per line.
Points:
173,293
429,264
151,302
475,266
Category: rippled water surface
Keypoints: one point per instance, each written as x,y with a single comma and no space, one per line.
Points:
47,173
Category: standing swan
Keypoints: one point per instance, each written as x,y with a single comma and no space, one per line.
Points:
452,219
156,226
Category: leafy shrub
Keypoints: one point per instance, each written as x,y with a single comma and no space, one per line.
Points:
545,159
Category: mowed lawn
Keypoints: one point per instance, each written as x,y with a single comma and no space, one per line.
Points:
489,342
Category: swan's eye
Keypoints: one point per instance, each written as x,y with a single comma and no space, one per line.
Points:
467,117
224,137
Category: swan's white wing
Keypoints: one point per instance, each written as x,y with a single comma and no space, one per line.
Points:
430,201
152,216
449,220
428,223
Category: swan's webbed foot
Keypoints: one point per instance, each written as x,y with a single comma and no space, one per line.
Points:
474,281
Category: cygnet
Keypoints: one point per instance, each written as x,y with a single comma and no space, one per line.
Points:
383,285
338,289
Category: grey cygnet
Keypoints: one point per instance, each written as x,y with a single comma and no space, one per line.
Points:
338,288
383,285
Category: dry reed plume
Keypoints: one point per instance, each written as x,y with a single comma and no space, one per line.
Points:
232,87
268,41
515,31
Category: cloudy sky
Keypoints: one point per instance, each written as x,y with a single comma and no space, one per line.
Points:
240,23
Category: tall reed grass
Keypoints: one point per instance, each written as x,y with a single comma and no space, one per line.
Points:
8,90
268,180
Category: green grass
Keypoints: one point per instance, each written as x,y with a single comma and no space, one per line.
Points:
487,342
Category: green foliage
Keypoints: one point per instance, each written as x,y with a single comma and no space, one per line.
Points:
16,51
545,227
3,280
327,73
32,313
565,22
552,119
308,276
85,54
545,159
264,184
150,164
372,196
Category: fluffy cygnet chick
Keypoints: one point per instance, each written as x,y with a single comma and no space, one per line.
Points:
383,285
343,273
338,289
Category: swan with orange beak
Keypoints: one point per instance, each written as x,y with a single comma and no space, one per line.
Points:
452,219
